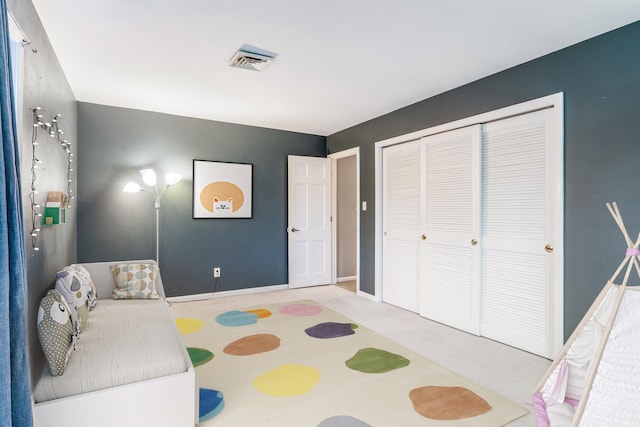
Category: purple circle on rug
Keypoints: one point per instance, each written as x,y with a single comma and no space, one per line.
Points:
301,310
331,330
343,421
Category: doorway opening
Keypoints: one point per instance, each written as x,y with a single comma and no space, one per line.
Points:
346,219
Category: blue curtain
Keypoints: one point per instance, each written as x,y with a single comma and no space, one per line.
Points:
15,397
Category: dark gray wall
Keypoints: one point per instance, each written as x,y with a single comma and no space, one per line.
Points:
601,81
44,85
112,225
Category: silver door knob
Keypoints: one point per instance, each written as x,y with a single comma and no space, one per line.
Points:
293,230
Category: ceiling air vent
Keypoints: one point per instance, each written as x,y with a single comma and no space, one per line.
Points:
252,58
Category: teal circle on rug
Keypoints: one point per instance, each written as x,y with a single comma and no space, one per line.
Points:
211,404
237,318
376,361
199,356
343,421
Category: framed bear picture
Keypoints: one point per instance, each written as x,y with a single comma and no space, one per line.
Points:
222,190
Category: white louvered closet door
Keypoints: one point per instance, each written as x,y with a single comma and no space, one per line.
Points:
518,195
450,263
401,224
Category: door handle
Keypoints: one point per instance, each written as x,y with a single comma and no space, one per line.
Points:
548,248
293,230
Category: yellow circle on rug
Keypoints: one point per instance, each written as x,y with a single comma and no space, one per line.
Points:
287,380
188,325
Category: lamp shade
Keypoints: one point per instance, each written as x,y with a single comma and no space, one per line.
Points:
149,177
131,187
172,177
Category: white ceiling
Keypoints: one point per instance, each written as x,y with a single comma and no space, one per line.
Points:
340,63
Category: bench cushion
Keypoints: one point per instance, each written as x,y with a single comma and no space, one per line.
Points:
125,341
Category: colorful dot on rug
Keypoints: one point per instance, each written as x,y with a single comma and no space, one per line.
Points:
261,312
199,356
211,404
447,403
287,380
237,318
253,344
301,310
343,421
376,361
331,330
188,325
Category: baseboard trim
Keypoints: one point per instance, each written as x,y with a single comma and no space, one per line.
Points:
234,292
346,279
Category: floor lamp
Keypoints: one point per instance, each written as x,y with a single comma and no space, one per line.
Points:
150,179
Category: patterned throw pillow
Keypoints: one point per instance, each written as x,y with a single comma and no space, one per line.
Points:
135,281
56,331
85,277
75,292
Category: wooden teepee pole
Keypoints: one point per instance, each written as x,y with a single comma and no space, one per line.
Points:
631,261
615,213
617,216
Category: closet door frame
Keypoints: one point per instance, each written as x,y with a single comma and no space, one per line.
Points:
555,101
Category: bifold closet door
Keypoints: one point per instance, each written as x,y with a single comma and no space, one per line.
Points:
450,263
401,224
519,177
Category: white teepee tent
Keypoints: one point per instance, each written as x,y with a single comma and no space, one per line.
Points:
595,379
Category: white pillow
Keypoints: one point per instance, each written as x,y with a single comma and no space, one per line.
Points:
135,281
85,277
76,293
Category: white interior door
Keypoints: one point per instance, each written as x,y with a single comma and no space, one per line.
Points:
520,184
401,195
450,257
309,229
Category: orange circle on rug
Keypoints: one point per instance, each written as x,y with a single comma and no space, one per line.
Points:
188,325
447,403
261,312
253,344
287,380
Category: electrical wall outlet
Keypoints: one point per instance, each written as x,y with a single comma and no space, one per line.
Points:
216,272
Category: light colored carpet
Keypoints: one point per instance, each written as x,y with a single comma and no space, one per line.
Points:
275,371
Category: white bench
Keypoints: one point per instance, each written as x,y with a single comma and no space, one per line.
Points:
130,367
